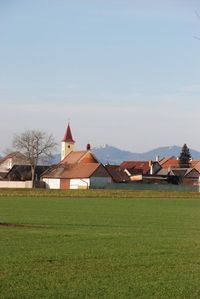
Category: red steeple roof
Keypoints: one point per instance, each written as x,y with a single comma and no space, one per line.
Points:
68,135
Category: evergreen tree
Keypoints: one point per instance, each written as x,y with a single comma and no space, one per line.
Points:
185,156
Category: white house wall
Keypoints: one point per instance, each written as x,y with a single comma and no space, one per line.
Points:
15,184
52,183
79,183
84,183
6,165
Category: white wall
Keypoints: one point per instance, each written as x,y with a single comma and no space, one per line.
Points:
66,148
15,184
86,183
79,183
6,165
52,183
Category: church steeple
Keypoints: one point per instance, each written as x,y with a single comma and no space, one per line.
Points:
68,135
67,144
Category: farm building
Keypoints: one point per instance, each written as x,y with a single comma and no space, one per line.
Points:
77,169
10,160
140,167
24,173
76,176
117,173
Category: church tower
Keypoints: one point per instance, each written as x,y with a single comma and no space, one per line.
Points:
67,144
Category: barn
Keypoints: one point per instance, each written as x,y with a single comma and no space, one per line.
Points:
77,169
76,176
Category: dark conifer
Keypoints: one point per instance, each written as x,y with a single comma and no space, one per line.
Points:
185,157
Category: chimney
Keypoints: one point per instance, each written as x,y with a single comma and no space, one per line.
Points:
151,167
88,147
157,158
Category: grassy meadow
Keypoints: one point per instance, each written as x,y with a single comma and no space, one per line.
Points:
99,244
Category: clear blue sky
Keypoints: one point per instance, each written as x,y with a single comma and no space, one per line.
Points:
126,73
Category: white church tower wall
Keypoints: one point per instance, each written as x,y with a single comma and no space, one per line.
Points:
67,144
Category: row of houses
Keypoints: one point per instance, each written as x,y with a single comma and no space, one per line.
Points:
82,170
164,171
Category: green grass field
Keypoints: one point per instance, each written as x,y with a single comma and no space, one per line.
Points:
99,244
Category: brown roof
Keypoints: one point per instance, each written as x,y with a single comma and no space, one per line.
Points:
70,171
73,157
134,167
197,166
79,156
166,159
169,163
172,162
118,175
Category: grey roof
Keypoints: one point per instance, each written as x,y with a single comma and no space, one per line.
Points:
163,172
23,172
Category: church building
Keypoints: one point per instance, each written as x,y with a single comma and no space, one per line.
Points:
77,169
67,144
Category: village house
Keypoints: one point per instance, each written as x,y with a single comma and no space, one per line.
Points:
170,169
24,173
82,170
77,169
16,172
136,170
169,162
14,158
117,174
164,171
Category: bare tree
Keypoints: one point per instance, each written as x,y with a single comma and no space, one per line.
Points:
35,145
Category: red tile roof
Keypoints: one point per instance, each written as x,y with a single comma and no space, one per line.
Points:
72,171
165,159
197,166
68,135
169,162
73,157
79,156
194,163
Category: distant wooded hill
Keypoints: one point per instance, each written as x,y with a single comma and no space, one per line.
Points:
112,155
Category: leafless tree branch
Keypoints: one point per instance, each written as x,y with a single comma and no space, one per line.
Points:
35,145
